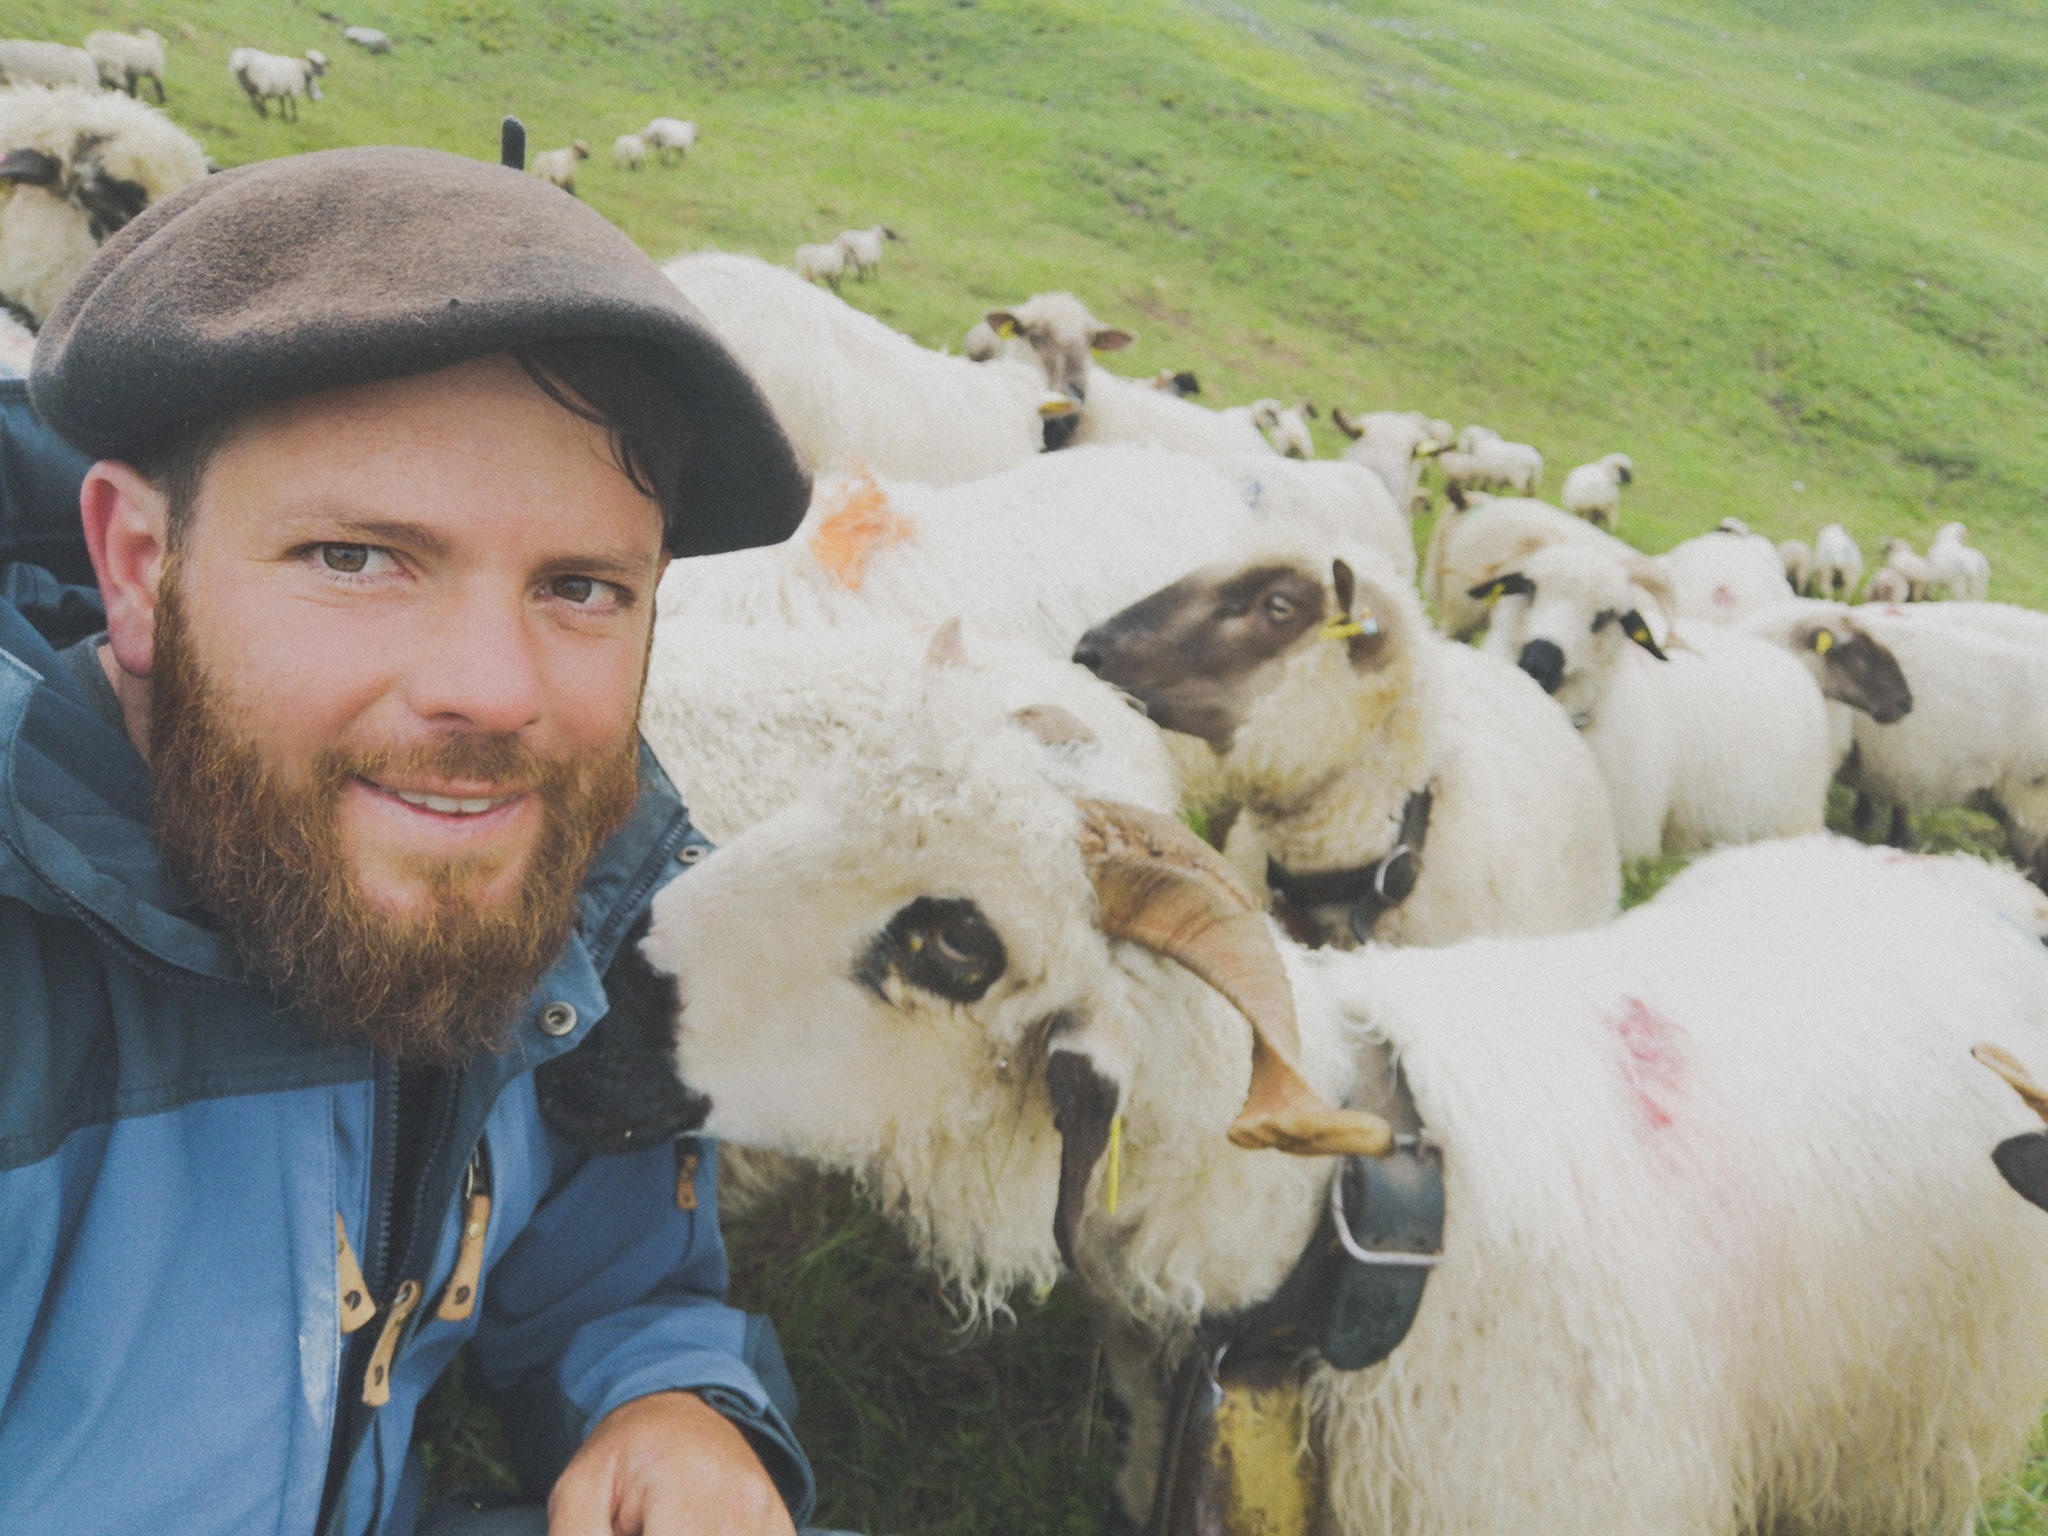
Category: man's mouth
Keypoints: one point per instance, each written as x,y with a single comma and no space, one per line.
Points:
446,805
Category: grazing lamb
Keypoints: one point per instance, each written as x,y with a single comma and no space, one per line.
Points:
74,168
1854,670
1392,784
1977,734
267,77
1888,586
1723,1244
126,59
557,167
668,136
1724,576
1492,464
1837,565
1912,568
629,152
1956,569
851,391
369,39
24,61
1286,426
1722,739
1477,538
1058,330
1036,555
1394,445
864,248
1593,491
1796,555
824,262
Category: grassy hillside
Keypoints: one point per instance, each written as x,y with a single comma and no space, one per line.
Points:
1788,254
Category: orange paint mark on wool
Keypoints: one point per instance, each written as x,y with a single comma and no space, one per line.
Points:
861,524
1653,1062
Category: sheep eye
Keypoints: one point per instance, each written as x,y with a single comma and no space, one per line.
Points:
942,945
1279,607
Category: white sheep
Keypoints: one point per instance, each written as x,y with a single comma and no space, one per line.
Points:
369,39
668,136
1394,445
126,59
1131,411
1337,715
1477,538
1855,671
1062,335
1956,569
1887,585
1837,565
1286,426
1036,554
26,61
1471,439
1335,499
1721,739
267,77
1593,491
1724,576
864,248
629,152
1723,1236
74,168
1912,568
1492,464
2022,626
1796,555
1978,731
849,390
557,167
822,262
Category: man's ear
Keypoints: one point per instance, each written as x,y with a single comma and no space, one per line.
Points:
127,529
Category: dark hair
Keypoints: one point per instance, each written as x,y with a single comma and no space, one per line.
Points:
625,386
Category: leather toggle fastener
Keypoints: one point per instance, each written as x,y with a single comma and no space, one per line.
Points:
686,1174
377,1377
353,1291
459,1299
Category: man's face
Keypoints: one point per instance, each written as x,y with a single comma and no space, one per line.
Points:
399,657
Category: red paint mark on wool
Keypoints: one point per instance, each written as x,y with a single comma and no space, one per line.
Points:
862,523
1653,1062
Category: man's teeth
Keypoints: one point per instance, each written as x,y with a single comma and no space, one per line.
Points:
447,805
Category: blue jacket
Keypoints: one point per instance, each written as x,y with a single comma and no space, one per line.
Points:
176,1146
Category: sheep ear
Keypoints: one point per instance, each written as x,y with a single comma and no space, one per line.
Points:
1001,321
1636,629
1084,1105
1513,584
1110,339
30,167
947,648
1346,585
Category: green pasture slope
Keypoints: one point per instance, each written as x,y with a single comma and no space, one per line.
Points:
1789,254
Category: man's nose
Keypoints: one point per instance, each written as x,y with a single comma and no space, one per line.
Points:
479,665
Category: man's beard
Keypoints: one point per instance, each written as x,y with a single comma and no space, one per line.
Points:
265,857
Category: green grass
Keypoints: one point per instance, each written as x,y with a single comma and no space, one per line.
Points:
1786,253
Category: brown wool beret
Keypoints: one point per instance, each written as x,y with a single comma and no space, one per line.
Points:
306,273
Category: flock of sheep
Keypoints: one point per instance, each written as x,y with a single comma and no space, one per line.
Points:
1724,1249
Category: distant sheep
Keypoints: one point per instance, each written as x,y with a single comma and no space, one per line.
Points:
75,168
369,39
1724,576
1286,426
864,248
849,390
1911,566
823,262
1394,445
1492,464
1058,330
629,151
1837,565
1593,491
1796,555
1955,569
267,77
1888,585
126,59
1711,736
558,167
668,136
1334,711
24,61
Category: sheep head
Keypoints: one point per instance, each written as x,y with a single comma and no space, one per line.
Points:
1851,665
948,974
1062,334
1568,616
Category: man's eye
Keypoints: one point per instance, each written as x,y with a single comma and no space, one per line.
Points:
348,559
574,589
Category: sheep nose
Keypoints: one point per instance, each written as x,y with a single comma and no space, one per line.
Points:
1089,656
1542,660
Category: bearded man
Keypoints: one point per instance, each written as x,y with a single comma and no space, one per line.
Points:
337,834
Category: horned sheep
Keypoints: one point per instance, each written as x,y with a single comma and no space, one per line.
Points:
1593,491
1673,1293
267,77
849,390
126,59
1719,738
75,168
1363,748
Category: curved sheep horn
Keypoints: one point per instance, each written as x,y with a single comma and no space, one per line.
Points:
1160,886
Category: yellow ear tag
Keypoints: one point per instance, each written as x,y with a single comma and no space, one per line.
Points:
1341,628
1007,328
1823,642
1116,1162
1640,634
